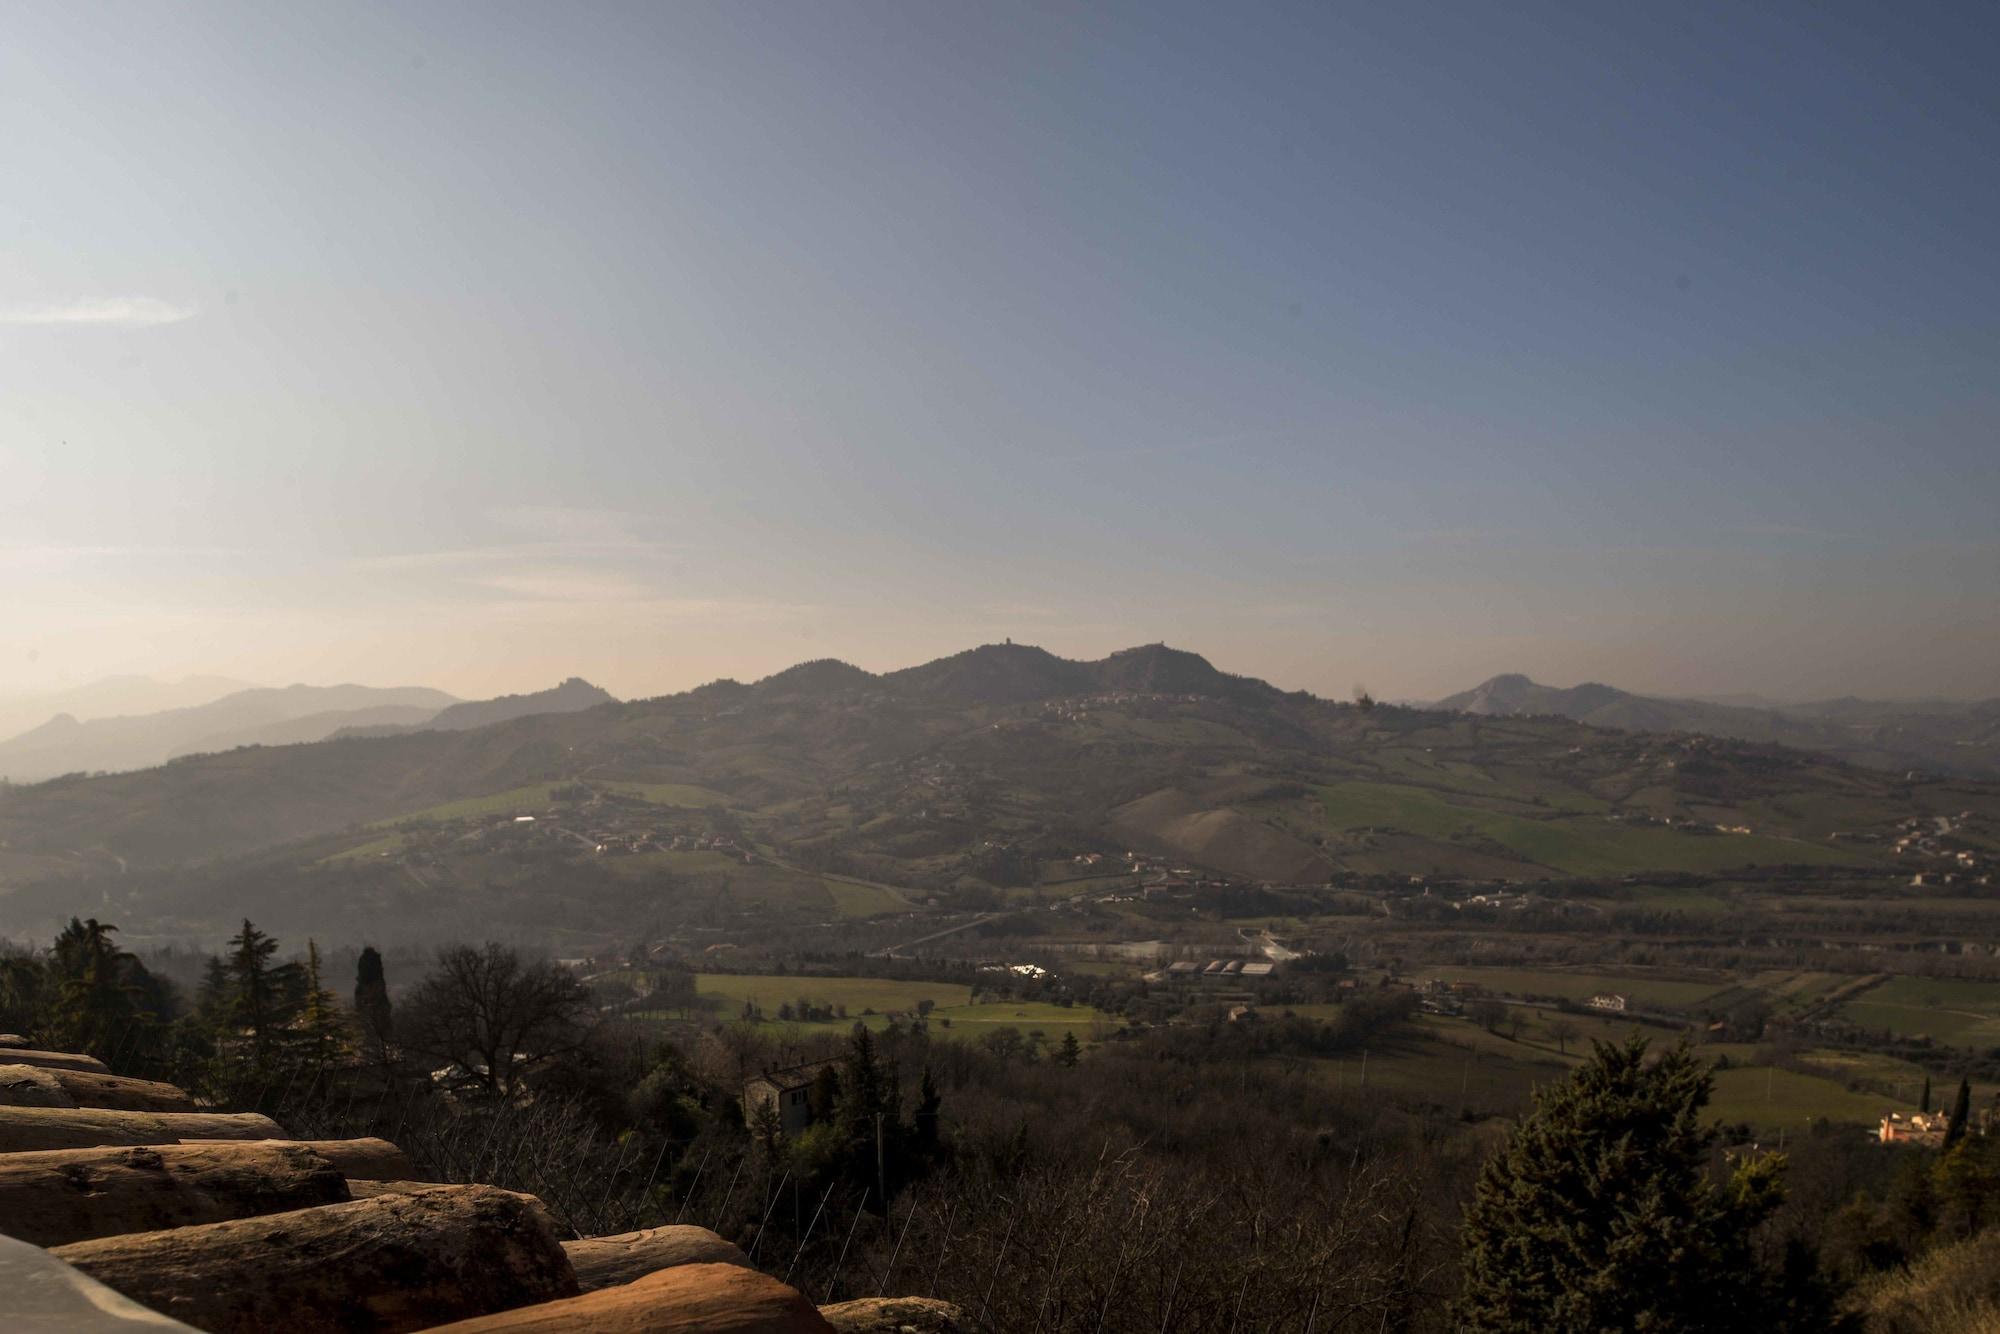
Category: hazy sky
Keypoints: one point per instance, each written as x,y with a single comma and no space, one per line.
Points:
479,345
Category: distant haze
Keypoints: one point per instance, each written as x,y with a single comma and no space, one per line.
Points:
479,346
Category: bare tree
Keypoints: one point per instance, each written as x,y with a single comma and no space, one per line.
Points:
499,1017
1564,1032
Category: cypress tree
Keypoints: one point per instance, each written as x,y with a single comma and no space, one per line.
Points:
1924,1103
1067,1054
767,1128
929,1100
1961,1112
371,1001
824,1095
862,1092
1598,1213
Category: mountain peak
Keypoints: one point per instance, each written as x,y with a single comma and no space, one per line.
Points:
1006,673
1513,692
1010,673
572,696
1158,667
820,676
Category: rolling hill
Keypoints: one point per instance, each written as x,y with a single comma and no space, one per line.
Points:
825,789
571,696
1956,736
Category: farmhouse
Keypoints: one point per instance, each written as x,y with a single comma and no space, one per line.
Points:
1607,1000
1926,1128
789,1090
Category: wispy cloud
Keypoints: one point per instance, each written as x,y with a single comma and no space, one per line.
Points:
117,312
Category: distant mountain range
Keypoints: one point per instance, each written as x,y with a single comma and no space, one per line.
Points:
113,696
963,779
263,717
1954,736
64,744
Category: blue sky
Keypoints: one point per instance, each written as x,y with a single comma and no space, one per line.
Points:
476,345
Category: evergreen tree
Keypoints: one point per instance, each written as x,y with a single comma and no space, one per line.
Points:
1966,1181
1924,1103
1067,1054
24,993
928,1103
262,995
892,1092
868,1113
862,1091
213,1003
371,1002
767,1128
1961,1112
322,1028
824,1095
1598,1213
97,998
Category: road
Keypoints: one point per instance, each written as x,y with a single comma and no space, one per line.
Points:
1268,945
890,952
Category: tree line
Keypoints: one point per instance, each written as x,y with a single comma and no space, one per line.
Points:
488,1016
1203,1177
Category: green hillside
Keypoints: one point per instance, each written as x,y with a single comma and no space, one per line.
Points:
833,794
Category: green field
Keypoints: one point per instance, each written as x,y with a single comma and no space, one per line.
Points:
531,800
1797,988
1898,1082
374,847
1561,983
1462,778
858,898
536,798
769,991
1774,1099
766,882
683,795
1693,902
1950,1010
1052,1021
1452,1062
758,882
956,1018
1581,844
